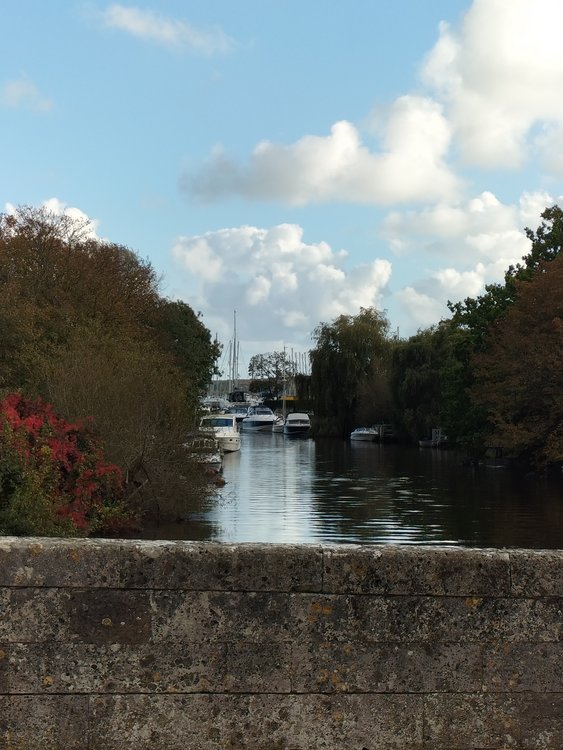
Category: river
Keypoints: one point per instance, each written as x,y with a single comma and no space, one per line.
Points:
279,489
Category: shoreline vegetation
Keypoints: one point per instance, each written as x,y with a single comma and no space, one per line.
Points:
101,376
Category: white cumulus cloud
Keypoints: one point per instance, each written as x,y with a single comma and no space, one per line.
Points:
281,286
409,165
474,241
499,75
478,228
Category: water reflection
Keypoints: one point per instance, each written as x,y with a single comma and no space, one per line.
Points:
299,490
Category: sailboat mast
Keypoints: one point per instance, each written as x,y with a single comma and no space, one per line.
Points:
234,372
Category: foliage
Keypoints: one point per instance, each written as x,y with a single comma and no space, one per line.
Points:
269,372
347,352
519,378
182,333
417,381
142,411
54,479
82,324
469,328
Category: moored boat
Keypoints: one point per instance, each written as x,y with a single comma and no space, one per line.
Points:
365,434
224,429
297,423
259,418
239,410
278,424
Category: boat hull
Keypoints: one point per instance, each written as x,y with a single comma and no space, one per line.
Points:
254,425
259,419
229,443
365,435
223,428
296,423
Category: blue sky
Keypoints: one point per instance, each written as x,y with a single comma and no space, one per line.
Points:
291,160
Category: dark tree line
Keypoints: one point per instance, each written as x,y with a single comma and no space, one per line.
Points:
492,373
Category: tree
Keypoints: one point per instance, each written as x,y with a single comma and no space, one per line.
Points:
519,378
269,373
417,380
141,408
83,325
182,333
347,352
477,315
473,319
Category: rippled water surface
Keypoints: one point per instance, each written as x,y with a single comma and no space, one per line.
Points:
280,489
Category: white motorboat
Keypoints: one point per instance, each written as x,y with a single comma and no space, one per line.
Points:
367,434
239,410
297,423
224,429
259,418
278,424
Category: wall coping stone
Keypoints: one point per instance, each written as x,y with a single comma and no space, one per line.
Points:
389,570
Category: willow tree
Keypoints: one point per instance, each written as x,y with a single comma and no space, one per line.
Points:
349,352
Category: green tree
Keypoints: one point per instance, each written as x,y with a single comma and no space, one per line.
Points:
269,373
182,333
347,353
417,380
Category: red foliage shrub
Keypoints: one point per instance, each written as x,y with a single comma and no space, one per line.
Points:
65,463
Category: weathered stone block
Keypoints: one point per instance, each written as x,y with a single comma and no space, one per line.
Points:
54,722
258,668
517,667
536,573
356,667
4,668
416,570
369,618
265,722
540,721
88,668
77,563
471,721
251,567
109,616
34,615
198,616
483,620
526,722
285,567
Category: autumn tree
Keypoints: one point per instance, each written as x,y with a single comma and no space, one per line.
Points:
519,378
348,352
471,322
82,323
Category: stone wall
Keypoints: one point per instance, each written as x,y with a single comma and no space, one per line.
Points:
114,645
